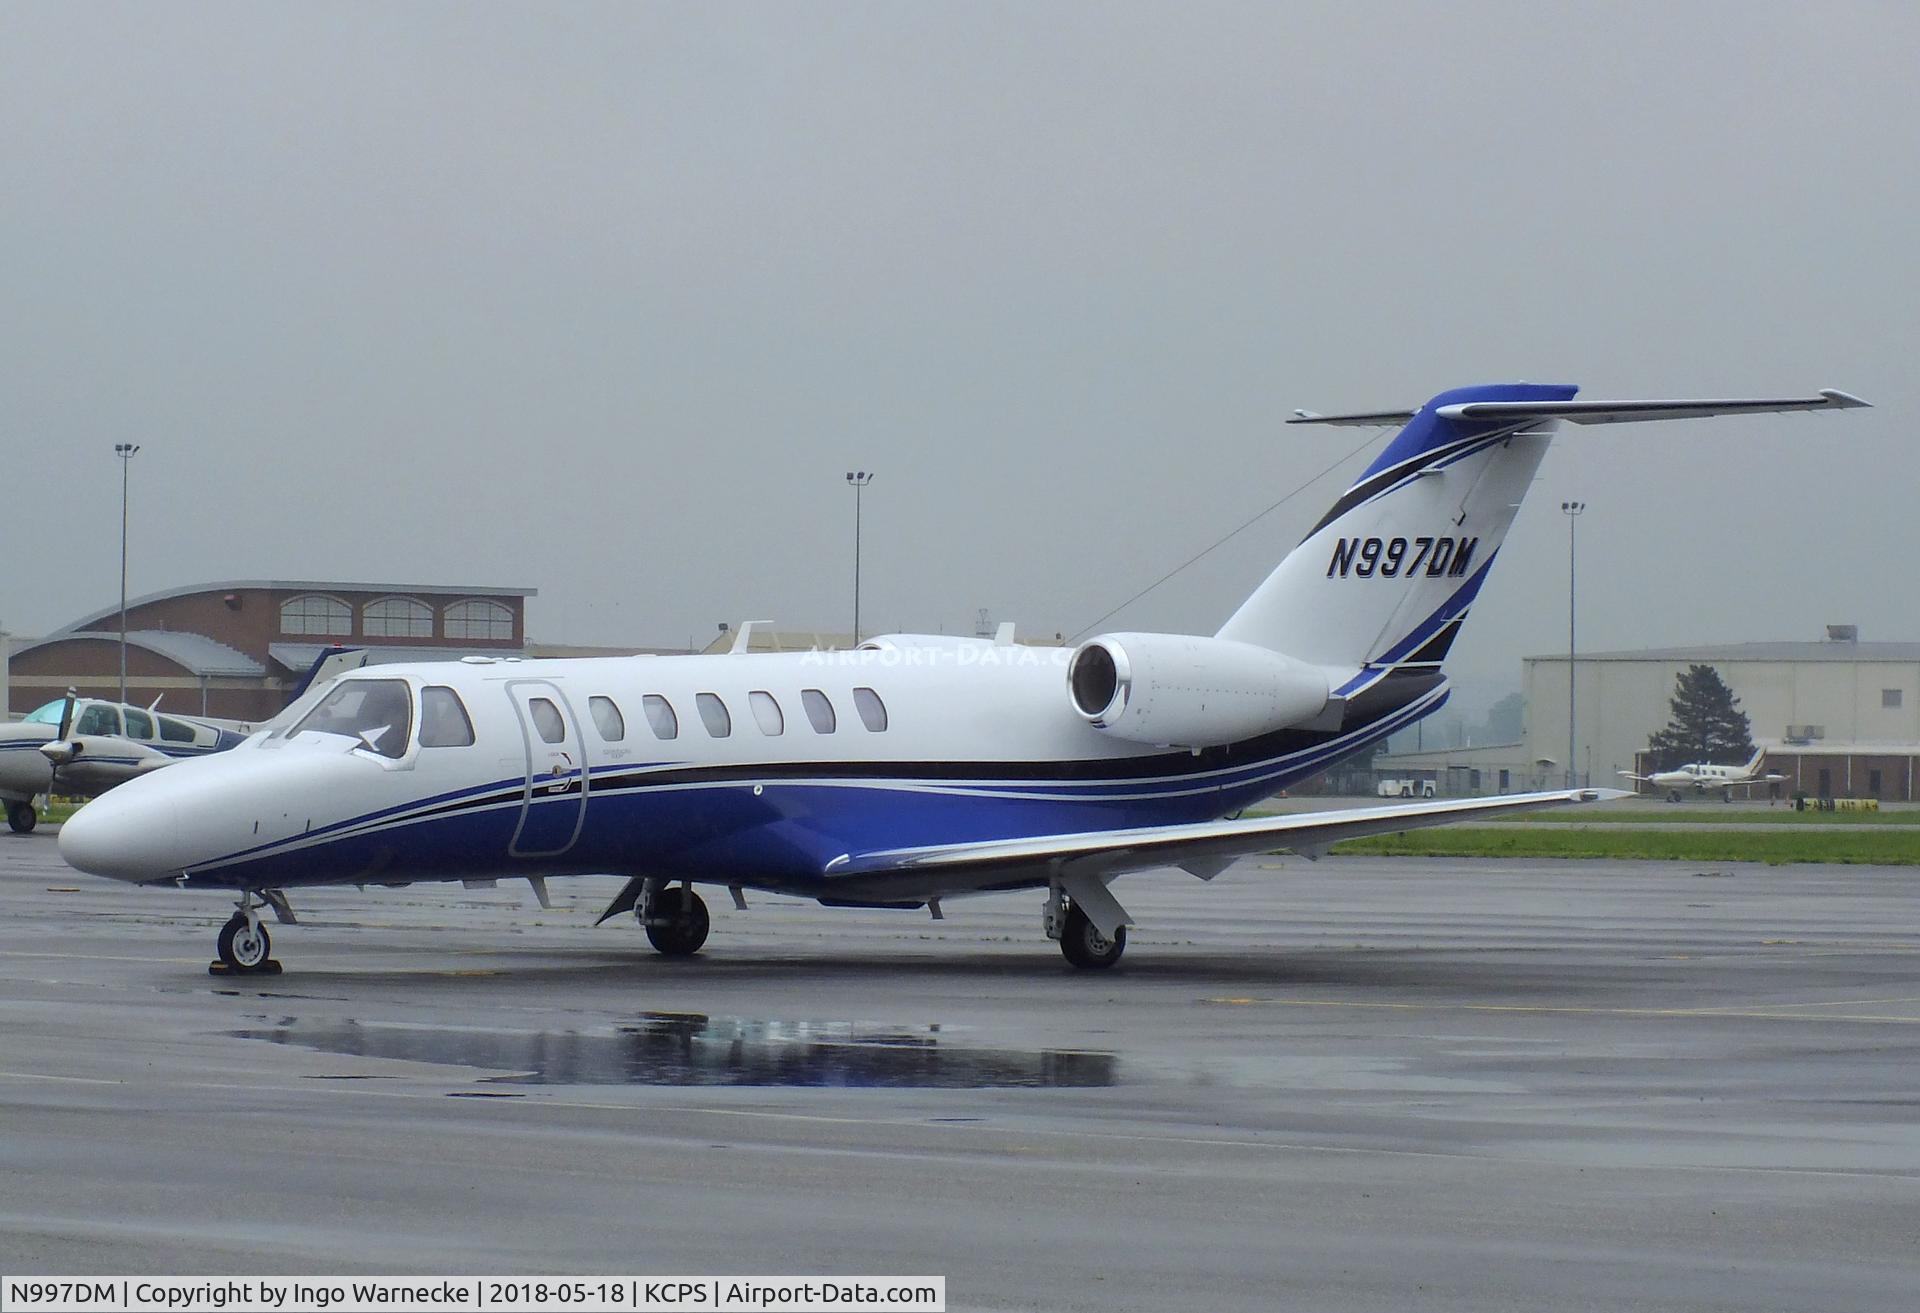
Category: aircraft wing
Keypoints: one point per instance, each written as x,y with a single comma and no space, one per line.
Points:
1004,863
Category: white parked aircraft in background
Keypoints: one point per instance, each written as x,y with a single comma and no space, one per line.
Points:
913,770
1701,776
94,745
82,747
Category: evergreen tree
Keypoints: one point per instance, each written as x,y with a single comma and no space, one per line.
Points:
1707,724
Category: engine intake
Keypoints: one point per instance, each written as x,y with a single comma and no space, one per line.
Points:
1186,691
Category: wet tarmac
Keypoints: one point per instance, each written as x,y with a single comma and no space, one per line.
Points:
1357,1084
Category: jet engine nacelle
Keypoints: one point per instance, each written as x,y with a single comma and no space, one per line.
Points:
1191,692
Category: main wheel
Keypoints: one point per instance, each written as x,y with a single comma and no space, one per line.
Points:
22,817
1085,946
244,946
686,925
1673,795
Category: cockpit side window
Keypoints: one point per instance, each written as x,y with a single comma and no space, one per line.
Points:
378,712
443,719
139,724
98,719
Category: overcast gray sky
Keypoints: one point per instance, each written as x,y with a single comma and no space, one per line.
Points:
605,299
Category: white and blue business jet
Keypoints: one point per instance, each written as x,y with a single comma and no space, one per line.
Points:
913,770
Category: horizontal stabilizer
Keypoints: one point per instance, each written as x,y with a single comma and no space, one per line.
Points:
1598,412
1627,412
1361,418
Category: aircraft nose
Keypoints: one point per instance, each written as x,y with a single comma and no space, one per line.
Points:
122,837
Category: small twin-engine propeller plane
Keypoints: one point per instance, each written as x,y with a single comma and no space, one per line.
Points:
913,770
84,746
1702,776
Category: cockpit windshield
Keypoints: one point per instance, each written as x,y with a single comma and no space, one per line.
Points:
378,712
47,715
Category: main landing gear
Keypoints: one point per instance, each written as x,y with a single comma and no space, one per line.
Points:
1083,942
244,945
22,817
675,919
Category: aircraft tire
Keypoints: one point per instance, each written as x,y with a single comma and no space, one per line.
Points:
683,936
22,817
1084,945
243,948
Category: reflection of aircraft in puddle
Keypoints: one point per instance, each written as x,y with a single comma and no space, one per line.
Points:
82,747
917,769
679,1049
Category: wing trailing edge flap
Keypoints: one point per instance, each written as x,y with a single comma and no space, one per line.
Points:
1206,845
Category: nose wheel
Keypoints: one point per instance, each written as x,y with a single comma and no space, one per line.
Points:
22,817
244,945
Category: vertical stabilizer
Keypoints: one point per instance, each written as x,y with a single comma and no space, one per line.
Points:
1385,578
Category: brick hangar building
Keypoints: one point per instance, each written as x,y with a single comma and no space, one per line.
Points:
235,650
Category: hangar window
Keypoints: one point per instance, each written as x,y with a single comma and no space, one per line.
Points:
139,724
1889,697
174,731
378,712
660,717
819,710
477,619
443,719
314,614
397,617
766,713
607,719
547,720
713,714
873,712
98,719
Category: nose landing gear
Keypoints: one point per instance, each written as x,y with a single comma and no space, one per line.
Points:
244,945
22,817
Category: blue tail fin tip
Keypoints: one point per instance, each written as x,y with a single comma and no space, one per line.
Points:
1426,430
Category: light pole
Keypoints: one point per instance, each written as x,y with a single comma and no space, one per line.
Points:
857,480
1572,510
125,451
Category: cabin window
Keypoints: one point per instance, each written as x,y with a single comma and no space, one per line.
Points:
98,719
713,714
443,719
819,710
873,712
660,717
378,712
477,619
397,617
766,713
314,614
547,720
139,724
173,731
607,719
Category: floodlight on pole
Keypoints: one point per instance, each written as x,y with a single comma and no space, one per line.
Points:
1572,510
126,452
857,480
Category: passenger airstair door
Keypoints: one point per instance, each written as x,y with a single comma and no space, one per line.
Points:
554,804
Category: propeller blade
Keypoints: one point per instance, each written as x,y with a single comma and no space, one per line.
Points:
66,713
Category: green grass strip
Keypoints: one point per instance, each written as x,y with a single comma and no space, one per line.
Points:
1714,814
1850,847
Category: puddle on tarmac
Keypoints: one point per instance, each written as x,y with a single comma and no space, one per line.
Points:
687,1049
